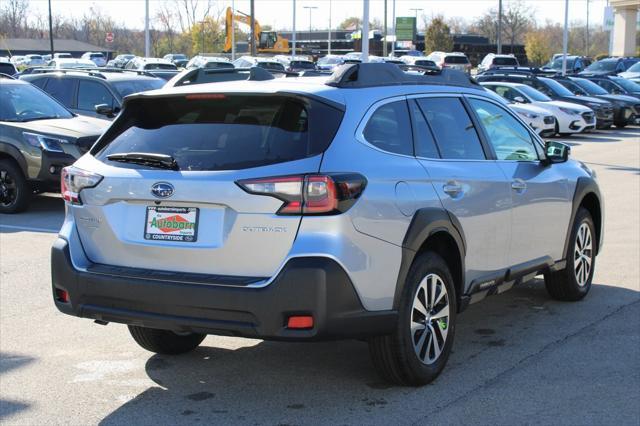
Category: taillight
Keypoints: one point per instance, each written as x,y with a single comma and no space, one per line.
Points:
73,180
309,194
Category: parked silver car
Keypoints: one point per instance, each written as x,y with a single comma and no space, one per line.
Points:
373,204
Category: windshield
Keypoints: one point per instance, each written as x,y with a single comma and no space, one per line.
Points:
271,66
590,86
604,65
24,102
424,63
533,93
556,87
125,88
224,132
179,56
574,88
557,64
96,55
329,60
34,57
627,84
159,66
306,65
635,67
456,59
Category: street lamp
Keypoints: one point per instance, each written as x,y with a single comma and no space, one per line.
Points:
310,10
416,11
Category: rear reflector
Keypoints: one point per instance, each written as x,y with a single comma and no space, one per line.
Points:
300,322
62,295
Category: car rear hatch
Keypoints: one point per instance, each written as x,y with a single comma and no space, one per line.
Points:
193,215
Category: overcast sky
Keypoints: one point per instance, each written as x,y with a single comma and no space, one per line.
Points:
279,13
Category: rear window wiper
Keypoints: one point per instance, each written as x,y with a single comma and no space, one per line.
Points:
160,161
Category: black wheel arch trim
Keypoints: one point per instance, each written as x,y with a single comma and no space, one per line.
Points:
584,187
425,223
15,154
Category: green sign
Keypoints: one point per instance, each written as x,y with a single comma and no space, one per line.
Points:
405,29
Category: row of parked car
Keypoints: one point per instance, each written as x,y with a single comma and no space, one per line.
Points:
550,104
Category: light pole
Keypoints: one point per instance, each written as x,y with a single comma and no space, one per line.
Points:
499,35
384,46
233,30
50,30
147,39
202,35
416,11
393,18
565,37
293,35
329,45
586,47
364,36
310,10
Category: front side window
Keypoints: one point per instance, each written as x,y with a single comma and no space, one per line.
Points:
91,93
510,139
389,129
452,128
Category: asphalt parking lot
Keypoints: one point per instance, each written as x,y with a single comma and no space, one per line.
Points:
518,358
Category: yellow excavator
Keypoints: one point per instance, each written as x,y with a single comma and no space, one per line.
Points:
266,41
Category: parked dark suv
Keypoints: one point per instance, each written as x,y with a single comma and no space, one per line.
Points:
96,93
38,137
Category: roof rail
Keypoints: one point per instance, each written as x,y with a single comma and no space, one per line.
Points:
383,74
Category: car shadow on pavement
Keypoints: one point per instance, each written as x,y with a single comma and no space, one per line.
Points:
284,383
9,362
45,214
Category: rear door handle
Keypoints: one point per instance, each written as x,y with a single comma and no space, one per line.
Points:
452,188
519,185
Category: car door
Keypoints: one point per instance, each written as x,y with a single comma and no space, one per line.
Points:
470,185
541,204
92,93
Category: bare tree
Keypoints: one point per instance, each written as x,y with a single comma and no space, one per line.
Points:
14,16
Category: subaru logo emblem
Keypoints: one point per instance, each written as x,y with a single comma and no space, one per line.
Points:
162,190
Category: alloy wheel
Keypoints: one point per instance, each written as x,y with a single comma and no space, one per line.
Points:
430,319
583,254
8,189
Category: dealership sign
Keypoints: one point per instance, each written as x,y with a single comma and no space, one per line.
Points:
405,28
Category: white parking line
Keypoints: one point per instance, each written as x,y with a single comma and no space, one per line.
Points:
29,228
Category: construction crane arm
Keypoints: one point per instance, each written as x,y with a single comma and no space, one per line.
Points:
242,18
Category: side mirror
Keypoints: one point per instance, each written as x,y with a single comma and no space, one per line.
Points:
104,109
556,152
520,100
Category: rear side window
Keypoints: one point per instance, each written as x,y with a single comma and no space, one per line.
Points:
452,128
223,132
425,144
62,89
389,129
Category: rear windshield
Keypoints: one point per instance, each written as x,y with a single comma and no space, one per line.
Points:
96,55
505,61
456,59
627,84
424,63
230,132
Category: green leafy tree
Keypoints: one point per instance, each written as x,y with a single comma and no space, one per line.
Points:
438,37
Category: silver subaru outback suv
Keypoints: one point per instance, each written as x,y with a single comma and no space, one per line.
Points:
376,204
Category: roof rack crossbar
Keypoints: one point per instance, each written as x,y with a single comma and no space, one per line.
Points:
383,74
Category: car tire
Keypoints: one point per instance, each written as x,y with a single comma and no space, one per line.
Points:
15,191
621,125
165,341
574,281
405,357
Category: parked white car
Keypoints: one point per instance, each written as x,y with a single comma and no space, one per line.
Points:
209,62
540,119
34,61
96,57
570,117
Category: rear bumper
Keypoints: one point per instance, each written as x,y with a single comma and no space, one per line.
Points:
314,286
